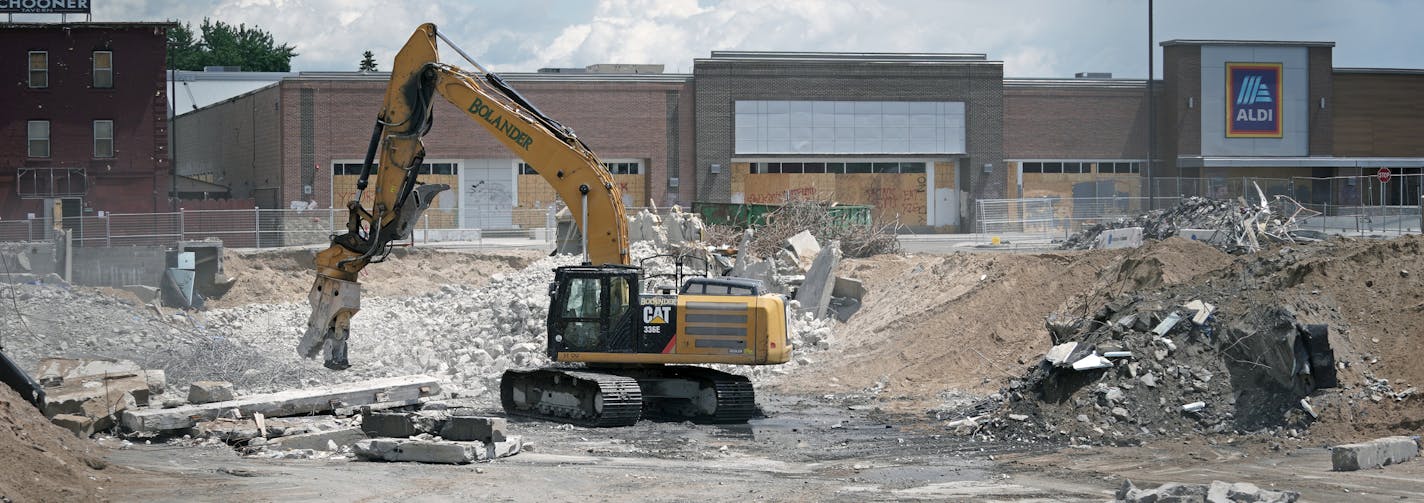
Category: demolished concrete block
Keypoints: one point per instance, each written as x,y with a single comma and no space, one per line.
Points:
1092,362
97,396
56,371
672,226
321,440
504,448
420,451
744,258
1126,237
389,424
1194,407
848,288
144,293
484,429
210,391
1167,324
1202,310
1058,355
287,403
1373,454
815,292
804,248
81,426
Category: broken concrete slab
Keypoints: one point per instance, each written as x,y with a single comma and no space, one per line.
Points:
484,429
815,292
848,288
81,426
55,371
389,424
744,258
1167,324
505,448
287,403
319,441
1127,237
1202,310
420,451
102,398
1373,454
144,293
1092,362
201,392
804,248
1058,355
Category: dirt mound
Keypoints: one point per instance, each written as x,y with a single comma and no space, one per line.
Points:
285,275
44,462
1241,366
969,322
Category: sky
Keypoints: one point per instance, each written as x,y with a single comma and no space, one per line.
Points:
1034,38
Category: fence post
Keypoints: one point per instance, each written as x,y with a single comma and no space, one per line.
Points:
1421,213
108,235
180,224
256,227
427,227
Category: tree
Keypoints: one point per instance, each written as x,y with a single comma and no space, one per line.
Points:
368,62
222,44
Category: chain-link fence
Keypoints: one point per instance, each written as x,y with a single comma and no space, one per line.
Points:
1344,205
269,228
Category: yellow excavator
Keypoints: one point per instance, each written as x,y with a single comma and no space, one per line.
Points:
621,354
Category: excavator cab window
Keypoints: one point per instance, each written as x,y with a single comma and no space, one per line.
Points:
592,311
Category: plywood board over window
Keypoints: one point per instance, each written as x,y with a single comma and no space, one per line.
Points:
896,196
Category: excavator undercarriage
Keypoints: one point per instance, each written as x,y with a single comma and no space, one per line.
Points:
620,396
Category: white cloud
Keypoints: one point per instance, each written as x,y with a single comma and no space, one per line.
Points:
1042,38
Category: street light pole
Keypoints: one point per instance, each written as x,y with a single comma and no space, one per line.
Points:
1151,117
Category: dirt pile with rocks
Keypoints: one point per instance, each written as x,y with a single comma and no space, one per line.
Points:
45,462
1227,351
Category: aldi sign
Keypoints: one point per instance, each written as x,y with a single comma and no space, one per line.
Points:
1253,95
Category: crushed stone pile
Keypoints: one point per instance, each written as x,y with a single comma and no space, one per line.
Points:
1240,228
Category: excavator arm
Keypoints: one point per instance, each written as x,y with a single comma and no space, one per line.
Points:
400,198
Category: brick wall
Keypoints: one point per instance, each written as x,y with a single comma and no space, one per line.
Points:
136,178
236,143
1077,122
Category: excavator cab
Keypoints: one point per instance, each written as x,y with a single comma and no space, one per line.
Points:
591,309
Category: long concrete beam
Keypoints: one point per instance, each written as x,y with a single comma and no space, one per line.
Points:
286,403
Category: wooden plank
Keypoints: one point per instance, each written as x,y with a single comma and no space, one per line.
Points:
287,403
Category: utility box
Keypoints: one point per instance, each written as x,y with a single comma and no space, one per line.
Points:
185,260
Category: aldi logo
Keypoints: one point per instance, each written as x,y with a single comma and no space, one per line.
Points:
1254,100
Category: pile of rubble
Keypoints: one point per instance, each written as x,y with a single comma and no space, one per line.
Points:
1233,226
1216,492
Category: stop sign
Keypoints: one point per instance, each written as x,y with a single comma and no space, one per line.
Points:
1383,175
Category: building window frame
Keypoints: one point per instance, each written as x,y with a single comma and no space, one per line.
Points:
38,76
103,146
107,71
36,146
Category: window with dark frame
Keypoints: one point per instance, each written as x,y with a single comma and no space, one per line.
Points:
39,69
1033,167
103,139
103,69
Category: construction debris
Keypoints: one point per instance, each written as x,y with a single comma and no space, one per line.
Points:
427,449
1232,226
286,403
1216,492
1373,454
200,392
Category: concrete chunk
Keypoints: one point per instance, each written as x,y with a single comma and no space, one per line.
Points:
81,426
815,291
1058,356
56,371
201,392
484,429
389,424
420,451
287,403
321,440
848,288
1373,454
805,248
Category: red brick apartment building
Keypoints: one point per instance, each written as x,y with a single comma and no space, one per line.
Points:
83,119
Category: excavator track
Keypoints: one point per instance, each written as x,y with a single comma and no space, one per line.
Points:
576,397
735,398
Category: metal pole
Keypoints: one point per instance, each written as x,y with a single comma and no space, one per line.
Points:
108,235
180,224
256,227
1151,116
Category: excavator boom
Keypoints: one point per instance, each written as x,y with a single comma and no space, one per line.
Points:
399,199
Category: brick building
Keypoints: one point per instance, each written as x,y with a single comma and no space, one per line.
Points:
303,138
84,120
919,136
